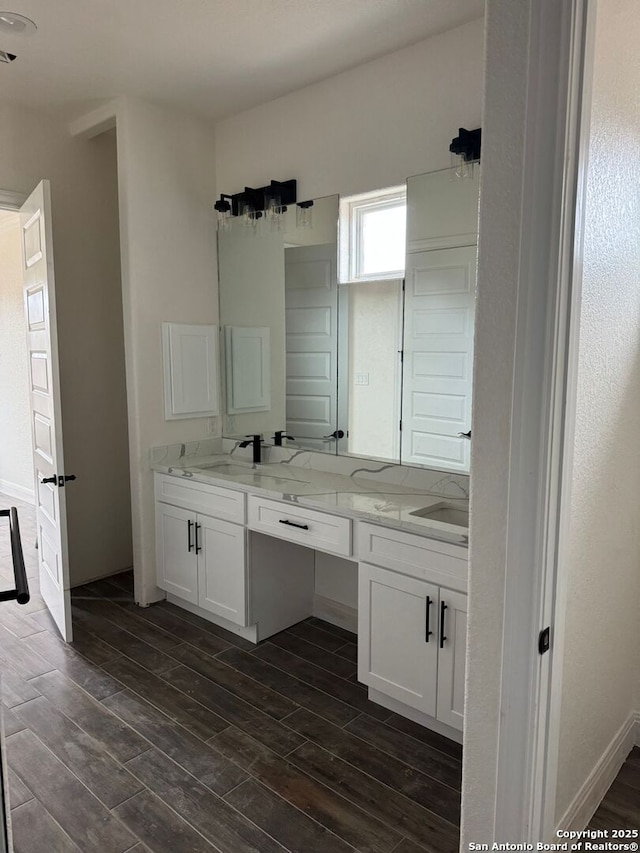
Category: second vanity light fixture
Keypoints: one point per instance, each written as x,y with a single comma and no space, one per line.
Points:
268,203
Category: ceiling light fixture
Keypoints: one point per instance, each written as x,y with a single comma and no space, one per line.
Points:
18,25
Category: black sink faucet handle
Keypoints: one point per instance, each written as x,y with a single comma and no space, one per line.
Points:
256,442
280,435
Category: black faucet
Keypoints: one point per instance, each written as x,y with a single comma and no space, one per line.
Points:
280,434
256,441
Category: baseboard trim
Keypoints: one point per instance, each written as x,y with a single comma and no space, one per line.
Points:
335,613
596,785
13,490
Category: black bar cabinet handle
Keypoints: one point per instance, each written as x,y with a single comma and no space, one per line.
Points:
293,524
198,546
21,592
443,607
189,542
427,631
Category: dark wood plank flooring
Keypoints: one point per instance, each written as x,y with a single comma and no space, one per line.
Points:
157,731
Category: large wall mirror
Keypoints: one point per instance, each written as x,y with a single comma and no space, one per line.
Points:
357,339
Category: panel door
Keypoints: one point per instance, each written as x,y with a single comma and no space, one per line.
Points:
176,559
248,363
46,411
221,568
438,357
397,636
311,311
452,616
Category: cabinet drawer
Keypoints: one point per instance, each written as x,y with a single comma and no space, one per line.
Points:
319,530
226,504
412,555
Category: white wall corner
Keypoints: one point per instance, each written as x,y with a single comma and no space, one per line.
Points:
95,122
591,793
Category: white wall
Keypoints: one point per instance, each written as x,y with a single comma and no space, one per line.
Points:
85,236
166,189
16,465
367,128
601,668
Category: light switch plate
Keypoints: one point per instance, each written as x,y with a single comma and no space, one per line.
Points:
361,379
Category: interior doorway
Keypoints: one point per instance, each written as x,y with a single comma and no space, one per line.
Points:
16,466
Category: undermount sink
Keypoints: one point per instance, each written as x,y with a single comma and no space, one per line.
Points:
230,468
448,513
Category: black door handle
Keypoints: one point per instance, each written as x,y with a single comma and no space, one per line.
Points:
427,631
198,546
189,542
53,480
337,433
293,524
443,607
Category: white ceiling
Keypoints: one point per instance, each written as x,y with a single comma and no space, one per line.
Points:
211,57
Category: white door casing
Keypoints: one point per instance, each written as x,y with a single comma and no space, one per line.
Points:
311,310
45,405
438,357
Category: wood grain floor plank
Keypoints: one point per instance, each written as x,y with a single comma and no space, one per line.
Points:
348,692
18,791
316,635
79,752
19,654
14,689
297,832
228,830
234,710
348,651
188,633
200,759
10,721
388,805
297,691
324,805
204,625
436,764
159,827
90,715
236,682
35,831
239,747
126,618
630,775
424,790
80,814
83,642
126,643
623,801
408,846
418,732
346,636
296,645
72,664
20,625
174,703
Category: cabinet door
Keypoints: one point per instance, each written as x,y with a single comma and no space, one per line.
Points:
221,568
398,636
177,565
452,620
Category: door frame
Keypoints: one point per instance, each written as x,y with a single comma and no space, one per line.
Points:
542,418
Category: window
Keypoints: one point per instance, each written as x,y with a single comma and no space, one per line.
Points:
372,235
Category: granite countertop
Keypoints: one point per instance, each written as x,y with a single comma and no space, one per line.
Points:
362,497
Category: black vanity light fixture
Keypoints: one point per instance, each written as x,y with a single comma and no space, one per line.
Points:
254,203
465,151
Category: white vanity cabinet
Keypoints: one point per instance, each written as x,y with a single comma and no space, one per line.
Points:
411,627
200,558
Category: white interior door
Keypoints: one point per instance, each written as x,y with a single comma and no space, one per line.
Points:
44,395
311,305
438,357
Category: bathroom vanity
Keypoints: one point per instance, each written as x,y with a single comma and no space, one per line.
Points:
237,543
